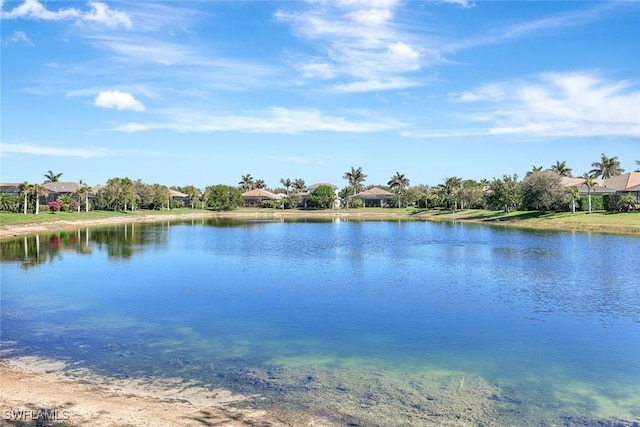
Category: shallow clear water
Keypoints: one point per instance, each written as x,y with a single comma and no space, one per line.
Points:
557,314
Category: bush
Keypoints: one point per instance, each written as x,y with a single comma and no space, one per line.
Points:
54,206
597,203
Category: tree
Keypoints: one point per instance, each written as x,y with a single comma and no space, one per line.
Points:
606,167
323,196
590,182
25,190
561,168
398,183
161,197
287,184
471,195
260,183
9,202
451,191
223,197
246,182
534,169
194,194
39,190
638,165
542,191
355,177
52,177
419,194
83,196
299,185
574,193
506,193
128,193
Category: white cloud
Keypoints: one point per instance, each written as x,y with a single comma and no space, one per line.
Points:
100,13
18,37
118,100
377,85
273,120
577,104
359,40
51,151
464,3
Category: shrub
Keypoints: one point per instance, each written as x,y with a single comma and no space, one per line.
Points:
596,203
54,206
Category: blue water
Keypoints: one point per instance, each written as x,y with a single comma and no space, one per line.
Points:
555,313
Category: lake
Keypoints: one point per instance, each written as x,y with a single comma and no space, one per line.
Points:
363,322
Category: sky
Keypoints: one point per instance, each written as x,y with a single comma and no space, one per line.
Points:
202,92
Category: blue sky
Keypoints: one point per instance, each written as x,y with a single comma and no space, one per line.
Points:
202,92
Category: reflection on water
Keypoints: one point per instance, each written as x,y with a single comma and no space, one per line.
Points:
554,318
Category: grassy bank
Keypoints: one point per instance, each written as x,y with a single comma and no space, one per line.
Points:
605,222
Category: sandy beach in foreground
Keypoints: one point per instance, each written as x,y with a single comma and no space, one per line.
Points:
34,389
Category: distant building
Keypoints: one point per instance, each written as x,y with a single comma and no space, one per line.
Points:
375,197
254,198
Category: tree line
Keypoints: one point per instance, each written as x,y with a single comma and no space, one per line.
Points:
540,190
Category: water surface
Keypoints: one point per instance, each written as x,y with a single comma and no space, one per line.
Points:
552,317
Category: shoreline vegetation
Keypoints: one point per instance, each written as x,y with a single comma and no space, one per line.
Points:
15,225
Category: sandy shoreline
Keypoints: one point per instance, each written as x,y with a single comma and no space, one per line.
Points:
23,229
8,231
33,388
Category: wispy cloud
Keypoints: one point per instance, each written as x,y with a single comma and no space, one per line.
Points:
98,12
273,120
463,3
358,40
40,150
536,27
118,100
18,37
577,104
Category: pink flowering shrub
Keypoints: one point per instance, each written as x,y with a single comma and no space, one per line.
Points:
54,206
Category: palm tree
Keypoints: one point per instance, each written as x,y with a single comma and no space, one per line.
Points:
38,190
574,192
606,167
260,183
355,177
246,182
287,184
25,190
398,183
590,182
451,190
83,193
299,185
52,177
561,168
534,169
638,164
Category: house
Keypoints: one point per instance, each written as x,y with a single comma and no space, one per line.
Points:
10,188
57,189
257,196
599,190
625,183
179,196
375,197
